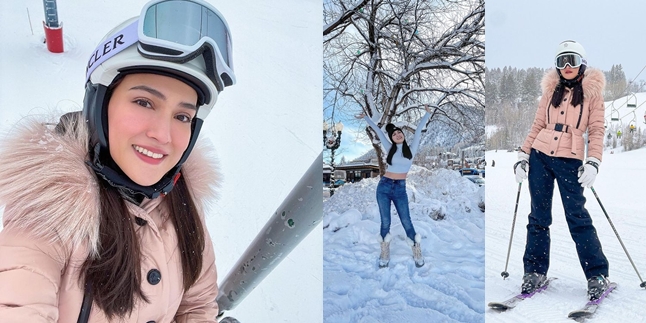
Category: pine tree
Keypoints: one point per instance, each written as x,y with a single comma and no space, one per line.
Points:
508,86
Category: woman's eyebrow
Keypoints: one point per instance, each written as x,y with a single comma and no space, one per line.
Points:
149,90
162,96
187,105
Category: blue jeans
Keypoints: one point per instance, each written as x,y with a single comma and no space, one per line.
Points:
543,170
394,190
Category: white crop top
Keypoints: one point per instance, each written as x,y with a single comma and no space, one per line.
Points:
400,164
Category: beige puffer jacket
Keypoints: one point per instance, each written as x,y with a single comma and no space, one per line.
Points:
51,224
572,121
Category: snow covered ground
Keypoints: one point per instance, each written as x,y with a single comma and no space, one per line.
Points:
449,288
266,128
620,188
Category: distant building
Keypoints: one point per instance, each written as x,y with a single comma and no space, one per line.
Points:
357,170
327,170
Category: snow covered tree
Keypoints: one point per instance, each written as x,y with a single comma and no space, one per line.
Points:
508,85
530,88
616,84
388,58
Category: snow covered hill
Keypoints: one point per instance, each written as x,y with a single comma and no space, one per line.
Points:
448,288
620,188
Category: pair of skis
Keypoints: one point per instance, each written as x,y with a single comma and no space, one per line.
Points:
579,315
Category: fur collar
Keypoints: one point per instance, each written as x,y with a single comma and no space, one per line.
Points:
45,184
593,82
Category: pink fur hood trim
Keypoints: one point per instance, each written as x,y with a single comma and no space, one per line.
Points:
47,187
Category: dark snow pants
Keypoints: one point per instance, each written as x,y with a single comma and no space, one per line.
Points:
543,170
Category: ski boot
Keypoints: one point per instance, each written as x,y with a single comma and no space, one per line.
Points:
532,282
597,285
384,257
417,250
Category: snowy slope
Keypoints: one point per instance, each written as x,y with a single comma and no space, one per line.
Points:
619,186
449,288
274,107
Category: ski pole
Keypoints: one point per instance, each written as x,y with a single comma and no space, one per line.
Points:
643,283
505,274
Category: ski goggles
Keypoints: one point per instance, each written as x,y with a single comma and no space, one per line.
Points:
572,59
180,30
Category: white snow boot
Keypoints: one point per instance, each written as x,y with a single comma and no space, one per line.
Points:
417,250
384,258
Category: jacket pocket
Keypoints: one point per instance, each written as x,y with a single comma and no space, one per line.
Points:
543,139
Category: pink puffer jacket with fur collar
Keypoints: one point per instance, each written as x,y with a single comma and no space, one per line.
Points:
51,224
569,142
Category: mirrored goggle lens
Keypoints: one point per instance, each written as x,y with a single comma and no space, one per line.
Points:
574,60
186,23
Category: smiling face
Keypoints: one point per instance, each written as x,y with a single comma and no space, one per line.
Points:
397,137
149,125
570,73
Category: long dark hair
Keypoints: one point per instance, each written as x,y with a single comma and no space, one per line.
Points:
391,128
115,275
574,84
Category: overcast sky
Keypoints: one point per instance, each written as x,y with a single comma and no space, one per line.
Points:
525,33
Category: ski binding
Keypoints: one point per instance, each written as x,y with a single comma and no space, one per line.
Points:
591,307
512,302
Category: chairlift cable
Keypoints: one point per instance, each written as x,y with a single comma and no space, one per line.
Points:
612,104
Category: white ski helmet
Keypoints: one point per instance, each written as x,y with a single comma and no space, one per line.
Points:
571,46
188,40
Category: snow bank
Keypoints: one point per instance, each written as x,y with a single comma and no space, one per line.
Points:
449,288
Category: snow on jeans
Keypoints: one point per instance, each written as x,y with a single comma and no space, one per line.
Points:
394,190
543,170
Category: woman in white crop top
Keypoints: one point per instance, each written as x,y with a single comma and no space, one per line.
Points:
392,186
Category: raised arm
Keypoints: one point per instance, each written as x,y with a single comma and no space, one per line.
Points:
385,142
418,132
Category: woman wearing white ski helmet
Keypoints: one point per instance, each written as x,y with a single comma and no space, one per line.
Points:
113,230
571,105
163,41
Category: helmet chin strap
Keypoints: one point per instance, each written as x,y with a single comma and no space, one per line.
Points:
128,189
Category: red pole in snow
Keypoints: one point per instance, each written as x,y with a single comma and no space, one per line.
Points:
53,29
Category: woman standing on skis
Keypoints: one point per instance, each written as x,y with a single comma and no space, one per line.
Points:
103,218
392,186
571,104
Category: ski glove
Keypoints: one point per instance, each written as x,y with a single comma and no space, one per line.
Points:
588,172
521,167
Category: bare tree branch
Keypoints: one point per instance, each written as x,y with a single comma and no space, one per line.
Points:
387,58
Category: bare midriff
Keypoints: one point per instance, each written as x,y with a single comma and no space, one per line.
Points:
395,175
